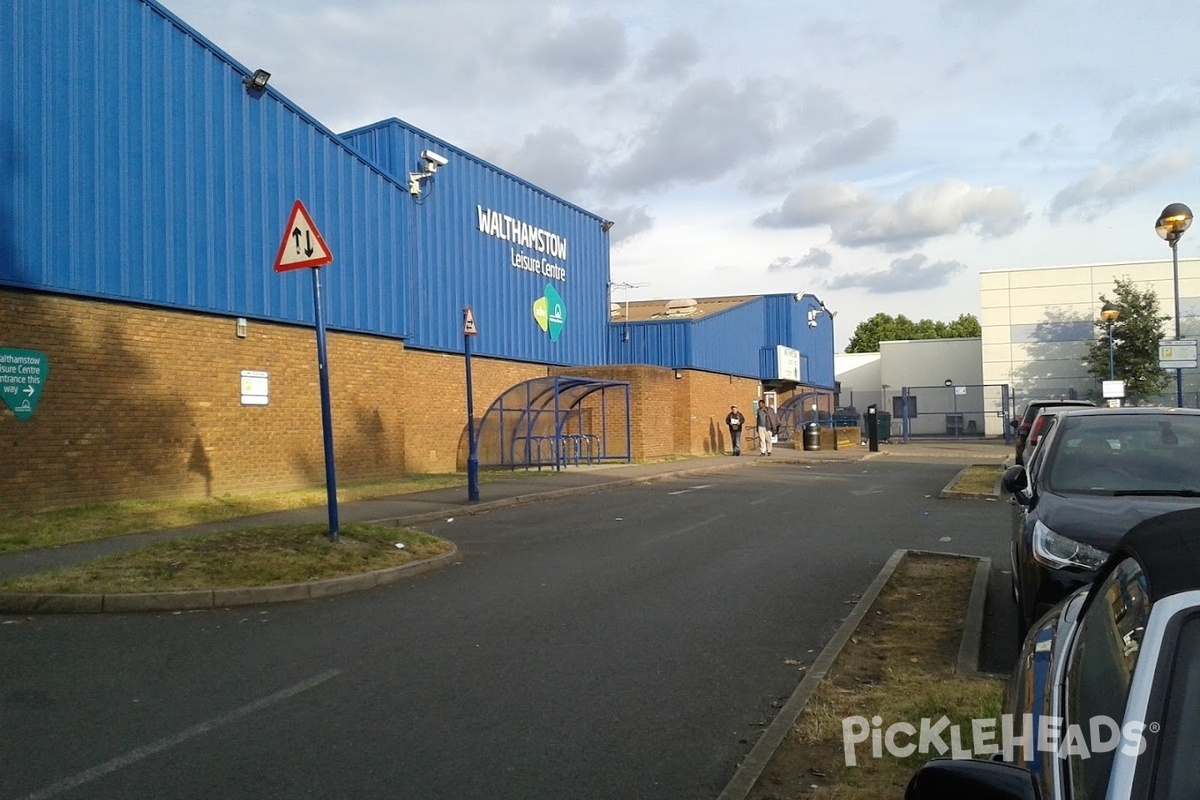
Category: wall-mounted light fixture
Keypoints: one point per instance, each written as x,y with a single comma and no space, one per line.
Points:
241,327
678,374
606,226
258,81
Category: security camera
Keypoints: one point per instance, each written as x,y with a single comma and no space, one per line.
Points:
433,159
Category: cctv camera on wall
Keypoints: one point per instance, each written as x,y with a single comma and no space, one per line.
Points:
433,160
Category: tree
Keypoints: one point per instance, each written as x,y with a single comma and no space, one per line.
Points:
1135,334
886,328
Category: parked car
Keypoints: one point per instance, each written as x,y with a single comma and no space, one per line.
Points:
1042,424
1023,425
1113,673
1096,474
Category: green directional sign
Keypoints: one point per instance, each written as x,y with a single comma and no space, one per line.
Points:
22,376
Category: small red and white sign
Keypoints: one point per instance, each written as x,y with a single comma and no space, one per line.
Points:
302,245
469,328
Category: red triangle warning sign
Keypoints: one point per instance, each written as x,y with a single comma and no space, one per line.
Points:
469,328
302,245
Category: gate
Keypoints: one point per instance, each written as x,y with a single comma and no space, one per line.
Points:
953,411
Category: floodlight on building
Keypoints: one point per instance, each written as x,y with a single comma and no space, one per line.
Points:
258,81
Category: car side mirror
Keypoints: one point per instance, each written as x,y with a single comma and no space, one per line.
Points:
1015,480
1014,424
950,779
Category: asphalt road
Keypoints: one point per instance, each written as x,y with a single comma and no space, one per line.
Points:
622,644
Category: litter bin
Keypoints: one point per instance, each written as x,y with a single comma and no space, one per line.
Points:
812,436
885,426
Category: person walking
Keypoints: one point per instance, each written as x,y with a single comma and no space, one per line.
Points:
768,425
734,420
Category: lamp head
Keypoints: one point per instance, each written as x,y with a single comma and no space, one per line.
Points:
1110,313
258,81
1173,221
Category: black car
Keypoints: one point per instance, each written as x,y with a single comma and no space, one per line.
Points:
1104,701
1099,472
1023,425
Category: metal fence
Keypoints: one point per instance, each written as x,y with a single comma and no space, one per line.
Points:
953,411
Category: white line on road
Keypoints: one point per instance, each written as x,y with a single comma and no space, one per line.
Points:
692,489
145,751
688,529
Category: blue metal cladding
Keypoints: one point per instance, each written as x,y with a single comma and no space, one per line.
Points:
456,260
139,168
662,344
144,170
728,341
738,341
788,324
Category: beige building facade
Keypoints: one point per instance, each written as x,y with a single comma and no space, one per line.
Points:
1037,323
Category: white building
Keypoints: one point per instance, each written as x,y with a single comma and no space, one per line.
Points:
1036,327
1037,323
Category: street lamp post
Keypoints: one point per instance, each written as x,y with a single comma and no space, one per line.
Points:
1109,314
1172,222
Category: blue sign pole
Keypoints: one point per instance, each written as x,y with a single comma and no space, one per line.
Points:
326,415
472,450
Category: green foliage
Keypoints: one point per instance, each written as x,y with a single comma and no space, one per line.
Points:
886,328
1135,334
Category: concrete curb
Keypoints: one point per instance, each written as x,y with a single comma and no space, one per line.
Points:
972,638
949,493
760,755
216,598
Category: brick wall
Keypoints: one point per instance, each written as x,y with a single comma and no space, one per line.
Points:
145,403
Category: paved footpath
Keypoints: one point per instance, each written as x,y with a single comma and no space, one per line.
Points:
410,509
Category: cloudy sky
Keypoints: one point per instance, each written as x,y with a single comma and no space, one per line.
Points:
878,155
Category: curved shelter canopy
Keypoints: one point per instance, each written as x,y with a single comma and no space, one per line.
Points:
557,421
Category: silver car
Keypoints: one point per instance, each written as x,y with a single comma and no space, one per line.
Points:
1104,701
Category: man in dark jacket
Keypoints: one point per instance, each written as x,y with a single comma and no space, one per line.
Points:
768,426
735,421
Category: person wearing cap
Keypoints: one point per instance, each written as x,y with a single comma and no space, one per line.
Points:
735,421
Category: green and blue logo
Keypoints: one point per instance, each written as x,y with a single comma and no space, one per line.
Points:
550,312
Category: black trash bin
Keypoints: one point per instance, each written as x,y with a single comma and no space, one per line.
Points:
812,436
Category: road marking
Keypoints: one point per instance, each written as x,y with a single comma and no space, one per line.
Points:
145,751
681,531
692,489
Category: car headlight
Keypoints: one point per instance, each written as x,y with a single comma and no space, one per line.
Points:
1057,551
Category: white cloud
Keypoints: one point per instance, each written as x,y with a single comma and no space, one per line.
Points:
1105,187
815,258
843,148
672,56
861,219
910,274
591,49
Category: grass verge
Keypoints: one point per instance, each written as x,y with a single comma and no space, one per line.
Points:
899,666
88,523
247,558
978,479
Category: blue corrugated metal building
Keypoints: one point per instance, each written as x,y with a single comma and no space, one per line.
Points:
730,335
147,171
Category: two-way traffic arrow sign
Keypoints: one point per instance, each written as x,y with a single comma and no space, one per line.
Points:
302,245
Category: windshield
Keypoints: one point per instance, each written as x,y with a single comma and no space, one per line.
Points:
1126,454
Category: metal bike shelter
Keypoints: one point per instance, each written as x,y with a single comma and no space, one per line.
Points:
557,421
797,410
